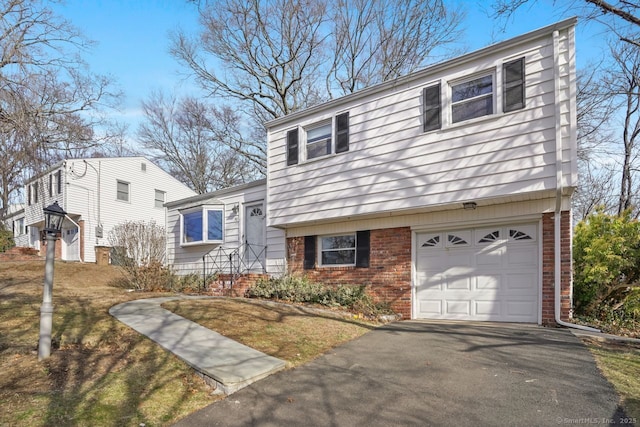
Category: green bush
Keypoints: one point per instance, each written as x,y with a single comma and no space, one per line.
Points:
606,255
301,290
6,239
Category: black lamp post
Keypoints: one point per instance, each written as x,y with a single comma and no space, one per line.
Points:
53,217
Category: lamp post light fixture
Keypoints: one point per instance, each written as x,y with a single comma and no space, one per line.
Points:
53,217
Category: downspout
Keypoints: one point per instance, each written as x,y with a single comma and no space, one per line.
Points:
557,285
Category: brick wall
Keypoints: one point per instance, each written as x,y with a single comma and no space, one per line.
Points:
548,267
388,277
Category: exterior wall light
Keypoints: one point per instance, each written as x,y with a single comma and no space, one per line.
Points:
469,206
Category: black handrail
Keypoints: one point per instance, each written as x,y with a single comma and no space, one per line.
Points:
248,258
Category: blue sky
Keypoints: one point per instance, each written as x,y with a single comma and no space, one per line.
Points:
133,40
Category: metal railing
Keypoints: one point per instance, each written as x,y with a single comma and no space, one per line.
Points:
247,258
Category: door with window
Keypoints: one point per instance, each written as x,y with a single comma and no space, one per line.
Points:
254,236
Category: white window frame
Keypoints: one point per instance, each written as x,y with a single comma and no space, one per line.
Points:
321,250
205,240
159,203
493,94
322,139
118,192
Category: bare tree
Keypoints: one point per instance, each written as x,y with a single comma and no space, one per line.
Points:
46,90
378,40
623,82
192,143
622,17
269,58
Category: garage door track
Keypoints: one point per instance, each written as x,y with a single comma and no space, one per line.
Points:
432,373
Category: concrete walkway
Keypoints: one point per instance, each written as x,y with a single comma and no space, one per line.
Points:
229,364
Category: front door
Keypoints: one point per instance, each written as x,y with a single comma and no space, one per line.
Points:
254,236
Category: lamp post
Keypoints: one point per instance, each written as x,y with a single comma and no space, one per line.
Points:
53,217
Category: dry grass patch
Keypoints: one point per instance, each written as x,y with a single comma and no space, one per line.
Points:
620,364
287,332
100,372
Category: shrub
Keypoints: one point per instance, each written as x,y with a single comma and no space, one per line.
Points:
301,290
139,248
6,238
606,253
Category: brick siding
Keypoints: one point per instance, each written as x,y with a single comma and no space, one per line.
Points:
548,267
388,277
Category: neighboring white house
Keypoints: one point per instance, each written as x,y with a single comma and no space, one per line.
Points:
14,220
447,191
224,232
97,194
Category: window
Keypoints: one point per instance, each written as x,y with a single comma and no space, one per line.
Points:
59,180
476,96
202,225
351,249
319,139
338,250
123,191
159,199
19,228
33,193
472,99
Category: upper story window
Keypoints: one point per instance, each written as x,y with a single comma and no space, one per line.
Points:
159,199
19,228
318,140
123,191
475,97
32,193
55,183
202,225
472,99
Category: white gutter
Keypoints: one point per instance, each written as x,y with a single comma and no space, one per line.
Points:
557,285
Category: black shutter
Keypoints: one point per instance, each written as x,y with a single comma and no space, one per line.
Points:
513,91
432,107
292,147
50,185
342,132
363,248
309,252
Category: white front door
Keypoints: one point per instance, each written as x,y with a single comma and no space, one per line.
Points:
254,235
488,274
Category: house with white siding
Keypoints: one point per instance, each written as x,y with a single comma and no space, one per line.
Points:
446,192
14,221
98,194
224,232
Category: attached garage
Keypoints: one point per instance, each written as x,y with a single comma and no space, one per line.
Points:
486,274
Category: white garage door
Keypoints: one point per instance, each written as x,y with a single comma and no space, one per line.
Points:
486,274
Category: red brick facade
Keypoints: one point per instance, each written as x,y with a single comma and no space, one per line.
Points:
388,277
548,267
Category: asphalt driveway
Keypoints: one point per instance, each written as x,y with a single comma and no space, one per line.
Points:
431,373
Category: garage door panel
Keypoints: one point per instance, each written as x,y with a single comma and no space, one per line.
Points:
458,307
484,282
522,283
458,283
490,258
487,308
522,256
492,276
432,308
